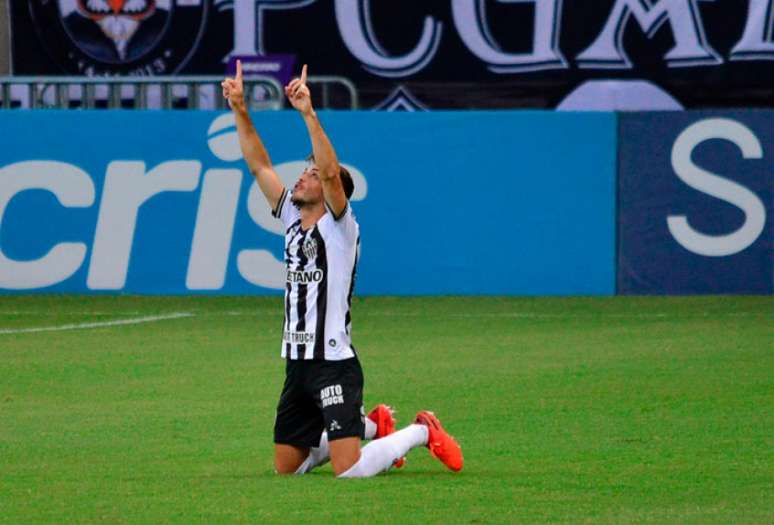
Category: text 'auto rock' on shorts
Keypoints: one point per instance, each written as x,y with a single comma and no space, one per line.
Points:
320,395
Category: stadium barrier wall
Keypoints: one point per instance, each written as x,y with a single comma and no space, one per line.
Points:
495,203
695,203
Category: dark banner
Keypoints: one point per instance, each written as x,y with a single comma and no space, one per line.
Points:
695,203
615,54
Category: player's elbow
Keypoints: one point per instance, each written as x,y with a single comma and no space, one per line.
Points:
329,171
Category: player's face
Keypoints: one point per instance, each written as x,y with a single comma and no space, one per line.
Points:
308,189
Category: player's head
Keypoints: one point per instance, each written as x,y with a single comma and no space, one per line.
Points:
308,189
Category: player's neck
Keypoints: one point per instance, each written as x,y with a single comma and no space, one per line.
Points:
310,214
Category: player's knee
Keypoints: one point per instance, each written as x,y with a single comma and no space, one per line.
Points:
288,463
283,468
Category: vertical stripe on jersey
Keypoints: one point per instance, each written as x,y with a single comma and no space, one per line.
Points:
348,317
322,295
288,287
301,301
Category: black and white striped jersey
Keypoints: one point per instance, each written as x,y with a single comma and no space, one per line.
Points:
319,278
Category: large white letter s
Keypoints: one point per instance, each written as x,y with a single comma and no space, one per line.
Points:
74,189
718,187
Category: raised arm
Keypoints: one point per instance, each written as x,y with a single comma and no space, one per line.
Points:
254,152
324,154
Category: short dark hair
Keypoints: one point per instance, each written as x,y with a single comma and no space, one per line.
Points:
346,182
346,179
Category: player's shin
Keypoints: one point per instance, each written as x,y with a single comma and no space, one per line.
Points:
319,456
380,454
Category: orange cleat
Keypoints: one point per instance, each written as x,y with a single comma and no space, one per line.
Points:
383,416
442,446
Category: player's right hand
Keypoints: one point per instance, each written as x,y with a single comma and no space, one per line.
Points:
233,88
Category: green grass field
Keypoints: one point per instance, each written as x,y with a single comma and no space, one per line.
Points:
568,410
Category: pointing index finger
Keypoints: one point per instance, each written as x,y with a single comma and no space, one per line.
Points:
303,74
239,71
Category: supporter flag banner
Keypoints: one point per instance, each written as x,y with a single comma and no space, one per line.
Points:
696,202
404,54
160,202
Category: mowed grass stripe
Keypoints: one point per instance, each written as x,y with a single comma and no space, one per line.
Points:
592,412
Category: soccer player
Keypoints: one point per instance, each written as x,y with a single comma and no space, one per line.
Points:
320,412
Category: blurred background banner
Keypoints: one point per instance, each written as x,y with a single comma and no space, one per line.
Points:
696,203
437,54
160,202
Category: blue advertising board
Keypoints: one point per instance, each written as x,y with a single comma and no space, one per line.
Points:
448,202
695,202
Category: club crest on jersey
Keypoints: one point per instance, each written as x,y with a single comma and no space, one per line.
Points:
120,37
310,249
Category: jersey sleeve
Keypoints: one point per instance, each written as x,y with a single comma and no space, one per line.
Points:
285,210
344,224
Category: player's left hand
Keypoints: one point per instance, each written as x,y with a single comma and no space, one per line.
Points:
298,93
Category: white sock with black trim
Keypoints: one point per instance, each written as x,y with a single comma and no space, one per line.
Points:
321,455
379,455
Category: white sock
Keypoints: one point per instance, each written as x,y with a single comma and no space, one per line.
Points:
379,455
370,429
321,455
317,456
